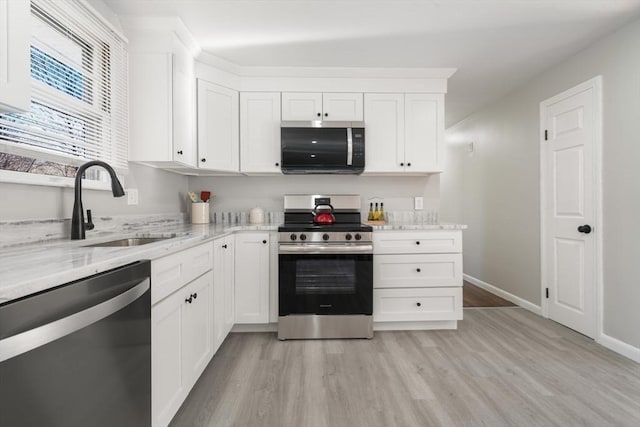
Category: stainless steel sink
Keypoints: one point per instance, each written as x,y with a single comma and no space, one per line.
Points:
132,241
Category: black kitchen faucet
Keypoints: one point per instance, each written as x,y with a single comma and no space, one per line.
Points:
78,226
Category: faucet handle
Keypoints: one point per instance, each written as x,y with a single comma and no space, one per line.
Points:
89,224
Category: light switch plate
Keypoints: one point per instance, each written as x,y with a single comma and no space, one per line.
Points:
132,196
418,203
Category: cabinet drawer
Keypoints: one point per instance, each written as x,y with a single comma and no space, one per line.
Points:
170,273
418,270
418,304
414,242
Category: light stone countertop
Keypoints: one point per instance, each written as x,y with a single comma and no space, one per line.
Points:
36,267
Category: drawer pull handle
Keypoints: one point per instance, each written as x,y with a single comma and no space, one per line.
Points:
418,304
195,295
418,270
189,300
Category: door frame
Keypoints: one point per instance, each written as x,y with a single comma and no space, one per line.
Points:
596,85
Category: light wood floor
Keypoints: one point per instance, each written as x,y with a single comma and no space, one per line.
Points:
502,367
474,296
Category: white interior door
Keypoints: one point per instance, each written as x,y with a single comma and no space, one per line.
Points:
569,207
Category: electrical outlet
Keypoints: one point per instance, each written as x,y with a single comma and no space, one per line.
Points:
418,203
132,196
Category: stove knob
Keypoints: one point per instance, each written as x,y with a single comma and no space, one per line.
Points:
358,236
325,237
348,236
293,236
303,237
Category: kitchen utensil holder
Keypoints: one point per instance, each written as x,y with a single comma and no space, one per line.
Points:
200,213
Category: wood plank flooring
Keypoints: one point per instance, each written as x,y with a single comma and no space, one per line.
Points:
474,296
502,367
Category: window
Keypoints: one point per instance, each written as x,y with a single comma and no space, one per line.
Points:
79,94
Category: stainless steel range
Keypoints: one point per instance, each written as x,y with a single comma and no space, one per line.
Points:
325,269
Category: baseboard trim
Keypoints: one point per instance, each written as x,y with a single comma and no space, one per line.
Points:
415,326
255,327
620,347
504,294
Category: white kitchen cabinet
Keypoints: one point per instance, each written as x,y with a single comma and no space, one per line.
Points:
181,345
15,38
162,106
404,133
417,278
305,106
224,271
218,128
260,132
252,278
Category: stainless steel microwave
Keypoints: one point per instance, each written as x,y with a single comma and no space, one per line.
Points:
322,147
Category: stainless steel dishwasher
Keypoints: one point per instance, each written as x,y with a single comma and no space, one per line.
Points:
79,354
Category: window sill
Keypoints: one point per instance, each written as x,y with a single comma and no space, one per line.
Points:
49,180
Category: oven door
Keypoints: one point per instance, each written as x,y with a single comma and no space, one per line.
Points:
325,283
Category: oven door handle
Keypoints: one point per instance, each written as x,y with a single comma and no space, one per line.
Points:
23,342
326,249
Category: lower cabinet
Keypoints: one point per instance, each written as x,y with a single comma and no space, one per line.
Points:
252,278
223,288
417,279
181,344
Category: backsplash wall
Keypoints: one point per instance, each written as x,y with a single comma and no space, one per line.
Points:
241,193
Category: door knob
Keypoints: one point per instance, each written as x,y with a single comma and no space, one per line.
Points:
586,229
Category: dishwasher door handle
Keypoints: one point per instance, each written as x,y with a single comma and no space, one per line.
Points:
34,338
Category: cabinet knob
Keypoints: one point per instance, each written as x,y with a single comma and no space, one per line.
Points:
418,270
326,114
203,160
264,242
418,242
401,164
319,115
408,164
224,246
418,304
195,295
189,300
180,152
277,164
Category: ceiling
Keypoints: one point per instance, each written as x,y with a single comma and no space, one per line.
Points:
496,45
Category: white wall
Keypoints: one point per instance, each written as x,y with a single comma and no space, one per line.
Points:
243,193
499,182
159,192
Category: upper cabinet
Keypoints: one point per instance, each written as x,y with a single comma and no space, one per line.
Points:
260,132
404,133
15,34
161,106
301,106
218,117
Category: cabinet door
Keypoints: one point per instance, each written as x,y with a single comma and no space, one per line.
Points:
252,278
424,127
150,107
301,106
197,327
184,142
260,132
168,383
229,283
347,107
384,134
223,269
219,333
218,123
15,33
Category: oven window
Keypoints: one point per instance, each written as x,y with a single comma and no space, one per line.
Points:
325,276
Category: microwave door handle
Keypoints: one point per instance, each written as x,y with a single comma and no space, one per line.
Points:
349,147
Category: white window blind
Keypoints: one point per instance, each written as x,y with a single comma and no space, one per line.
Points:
79,89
